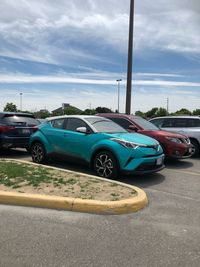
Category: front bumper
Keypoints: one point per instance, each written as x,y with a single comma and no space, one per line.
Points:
144,165
180,152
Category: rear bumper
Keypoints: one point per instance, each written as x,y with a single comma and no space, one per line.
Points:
9,142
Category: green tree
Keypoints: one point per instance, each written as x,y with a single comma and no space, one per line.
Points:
183,111
89,112
140,113
151,113
42,114
196,112
103,110
161,112
71,111
10,107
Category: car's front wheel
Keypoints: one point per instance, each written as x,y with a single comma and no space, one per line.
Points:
195,148
105,165
38,153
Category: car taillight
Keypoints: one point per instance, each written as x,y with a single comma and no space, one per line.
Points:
34,128
5,129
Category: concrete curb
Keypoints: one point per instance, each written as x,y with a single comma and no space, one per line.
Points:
75,204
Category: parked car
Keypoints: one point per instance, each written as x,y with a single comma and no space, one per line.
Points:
174,145
15,129
188,125
99,142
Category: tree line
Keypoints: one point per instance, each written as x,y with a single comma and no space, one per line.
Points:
154,112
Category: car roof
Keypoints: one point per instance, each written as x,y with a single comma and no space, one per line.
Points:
118,115
16,113
72,116
181,116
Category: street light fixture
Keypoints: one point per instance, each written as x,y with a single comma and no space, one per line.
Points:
20,101
118,81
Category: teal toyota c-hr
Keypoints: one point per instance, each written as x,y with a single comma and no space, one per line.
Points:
101,143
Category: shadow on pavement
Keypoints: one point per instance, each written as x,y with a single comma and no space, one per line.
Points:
179,164
143,180
15,153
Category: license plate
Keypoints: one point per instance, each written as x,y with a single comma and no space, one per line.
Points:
25,131
159,161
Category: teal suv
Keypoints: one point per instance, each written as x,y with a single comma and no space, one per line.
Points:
101,143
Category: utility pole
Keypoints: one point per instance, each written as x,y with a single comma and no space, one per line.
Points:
167,105
118,93
20,101
130,55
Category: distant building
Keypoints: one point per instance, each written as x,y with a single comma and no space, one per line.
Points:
64,106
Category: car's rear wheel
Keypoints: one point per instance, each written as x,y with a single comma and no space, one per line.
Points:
105,165
38,153
195,148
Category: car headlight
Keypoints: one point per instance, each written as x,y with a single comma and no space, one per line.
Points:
174,139
128,144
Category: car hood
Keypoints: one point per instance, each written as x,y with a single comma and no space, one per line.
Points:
161,133
135,137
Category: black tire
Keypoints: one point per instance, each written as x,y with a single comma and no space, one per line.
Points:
38,153
196,148
105,165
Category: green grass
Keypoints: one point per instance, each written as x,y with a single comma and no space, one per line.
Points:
15,175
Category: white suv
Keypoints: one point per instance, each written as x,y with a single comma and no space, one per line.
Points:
188,125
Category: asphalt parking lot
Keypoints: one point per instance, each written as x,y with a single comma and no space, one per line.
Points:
165,233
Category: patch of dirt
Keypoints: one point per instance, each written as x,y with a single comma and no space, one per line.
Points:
68,184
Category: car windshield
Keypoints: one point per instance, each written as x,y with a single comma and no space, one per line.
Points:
146,125
105,126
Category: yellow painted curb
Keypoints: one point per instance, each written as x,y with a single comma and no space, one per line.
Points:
76,204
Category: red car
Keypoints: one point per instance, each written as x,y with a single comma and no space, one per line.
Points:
174,145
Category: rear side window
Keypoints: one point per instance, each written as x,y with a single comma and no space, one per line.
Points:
19,120
158,122
57,123
122,122
194,123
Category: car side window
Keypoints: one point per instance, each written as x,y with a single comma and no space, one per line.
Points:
167,123
58,123
194,123
73,123
158,122
122,122
180,122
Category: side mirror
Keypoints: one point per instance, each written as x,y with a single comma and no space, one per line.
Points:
132,128
81,130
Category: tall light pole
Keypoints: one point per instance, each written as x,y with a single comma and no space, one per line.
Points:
20,101
130,55
118,81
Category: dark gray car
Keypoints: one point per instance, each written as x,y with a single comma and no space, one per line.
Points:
16,129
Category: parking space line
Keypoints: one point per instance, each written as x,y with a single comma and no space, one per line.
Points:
196,173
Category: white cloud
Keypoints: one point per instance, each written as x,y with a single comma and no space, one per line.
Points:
75,78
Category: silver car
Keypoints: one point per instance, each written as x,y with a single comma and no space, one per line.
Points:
187,125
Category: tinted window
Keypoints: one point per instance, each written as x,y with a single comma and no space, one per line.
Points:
194,122
57,123
19,120
144,124
122,122
158,122
167,123
74,123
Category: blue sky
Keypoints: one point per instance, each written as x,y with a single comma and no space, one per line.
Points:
73,51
